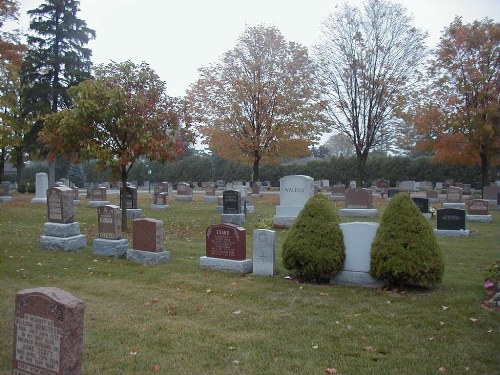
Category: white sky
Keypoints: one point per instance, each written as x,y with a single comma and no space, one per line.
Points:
176,37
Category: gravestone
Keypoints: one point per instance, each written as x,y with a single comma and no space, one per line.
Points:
358,238
425,186
338,192
454,198
423,206
160,202
148,237
42,184
432,195
255,188
231,202
5,193
295,190
407,186
48,332
133,212
210,196
184,192
391,193
60,207
451,222
490,193
110,242
225,246
61,232
478,210
76,197
264,252
358,203
98,197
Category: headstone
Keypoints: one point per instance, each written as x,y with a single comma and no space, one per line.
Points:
295,190
48,332
478,210
422,204
210,190
130,197
148,234
491,193
5,193
451,219
60,207
325,183
184,192
255,188
425,186
432,194
99,194
231,202
264,252
338,192
358,199
164,187
358,238
160,199
407,185
391,193
381,184
110,222
226,241
42,184
454,194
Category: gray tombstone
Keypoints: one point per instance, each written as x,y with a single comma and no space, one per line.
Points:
42,184
264,252
60,207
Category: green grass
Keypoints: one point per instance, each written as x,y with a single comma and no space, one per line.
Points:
179,319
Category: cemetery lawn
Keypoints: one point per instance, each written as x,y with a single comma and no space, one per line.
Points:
179,319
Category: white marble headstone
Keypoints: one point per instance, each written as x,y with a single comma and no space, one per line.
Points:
264,252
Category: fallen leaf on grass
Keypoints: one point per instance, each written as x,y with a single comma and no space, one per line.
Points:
473,320
443,370
430,338
156,368
369,349
315,346
323,294
237,312
445,308
232,348
170,309
331,371
441,323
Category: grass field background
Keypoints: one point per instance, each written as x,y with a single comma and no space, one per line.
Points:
179,319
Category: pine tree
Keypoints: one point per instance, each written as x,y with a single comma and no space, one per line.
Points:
76,175
57,58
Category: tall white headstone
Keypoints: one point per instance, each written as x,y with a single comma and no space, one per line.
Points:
264,252
295,190
42,184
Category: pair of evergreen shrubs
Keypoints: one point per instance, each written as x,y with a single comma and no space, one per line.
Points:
405,251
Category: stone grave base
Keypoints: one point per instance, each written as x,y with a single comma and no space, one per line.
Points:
66,243
219,209
5,198
241,266
337,198
427,215
210,199
236,219
61,230
39,200
148,257
451,233
76,202
183,197
160,207
480,218
284,221
358,212
98,203
356,278
460,206
134,213
110,248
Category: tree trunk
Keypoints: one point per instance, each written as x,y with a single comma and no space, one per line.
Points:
123,199
485,169
361,158
3,152
19,165
52,173
256,172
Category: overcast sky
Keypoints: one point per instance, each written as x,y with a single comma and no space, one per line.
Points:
176,37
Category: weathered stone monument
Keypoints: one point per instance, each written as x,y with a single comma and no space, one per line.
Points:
264,252
210,196
454,198
226,249
358,203
48,332
490,193
61,232
358,238
184,192
478,210
231,208
110,242
451,222
148,239
432,195
5,193
295,190
133,211
160,201
99,197
42,184
338,192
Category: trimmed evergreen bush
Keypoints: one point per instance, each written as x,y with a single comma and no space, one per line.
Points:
405,251
314,246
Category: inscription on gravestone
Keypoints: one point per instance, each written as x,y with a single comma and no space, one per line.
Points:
231,202
451,219
226,241
110,222
60,207
48,332
358,198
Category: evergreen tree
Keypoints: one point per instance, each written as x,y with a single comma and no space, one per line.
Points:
57,58
76,175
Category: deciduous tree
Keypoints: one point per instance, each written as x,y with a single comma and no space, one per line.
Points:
260,103
367,58
121,115
460,118
57,58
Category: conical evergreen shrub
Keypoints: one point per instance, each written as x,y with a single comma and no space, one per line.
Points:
405,251
76,175
314,246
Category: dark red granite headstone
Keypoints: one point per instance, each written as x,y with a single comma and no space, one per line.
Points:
478,207
359,198
148,234
226,241
48,332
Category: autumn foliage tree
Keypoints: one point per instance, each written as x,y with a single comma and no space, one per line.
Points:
121,115
459,119
260,103
368,58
